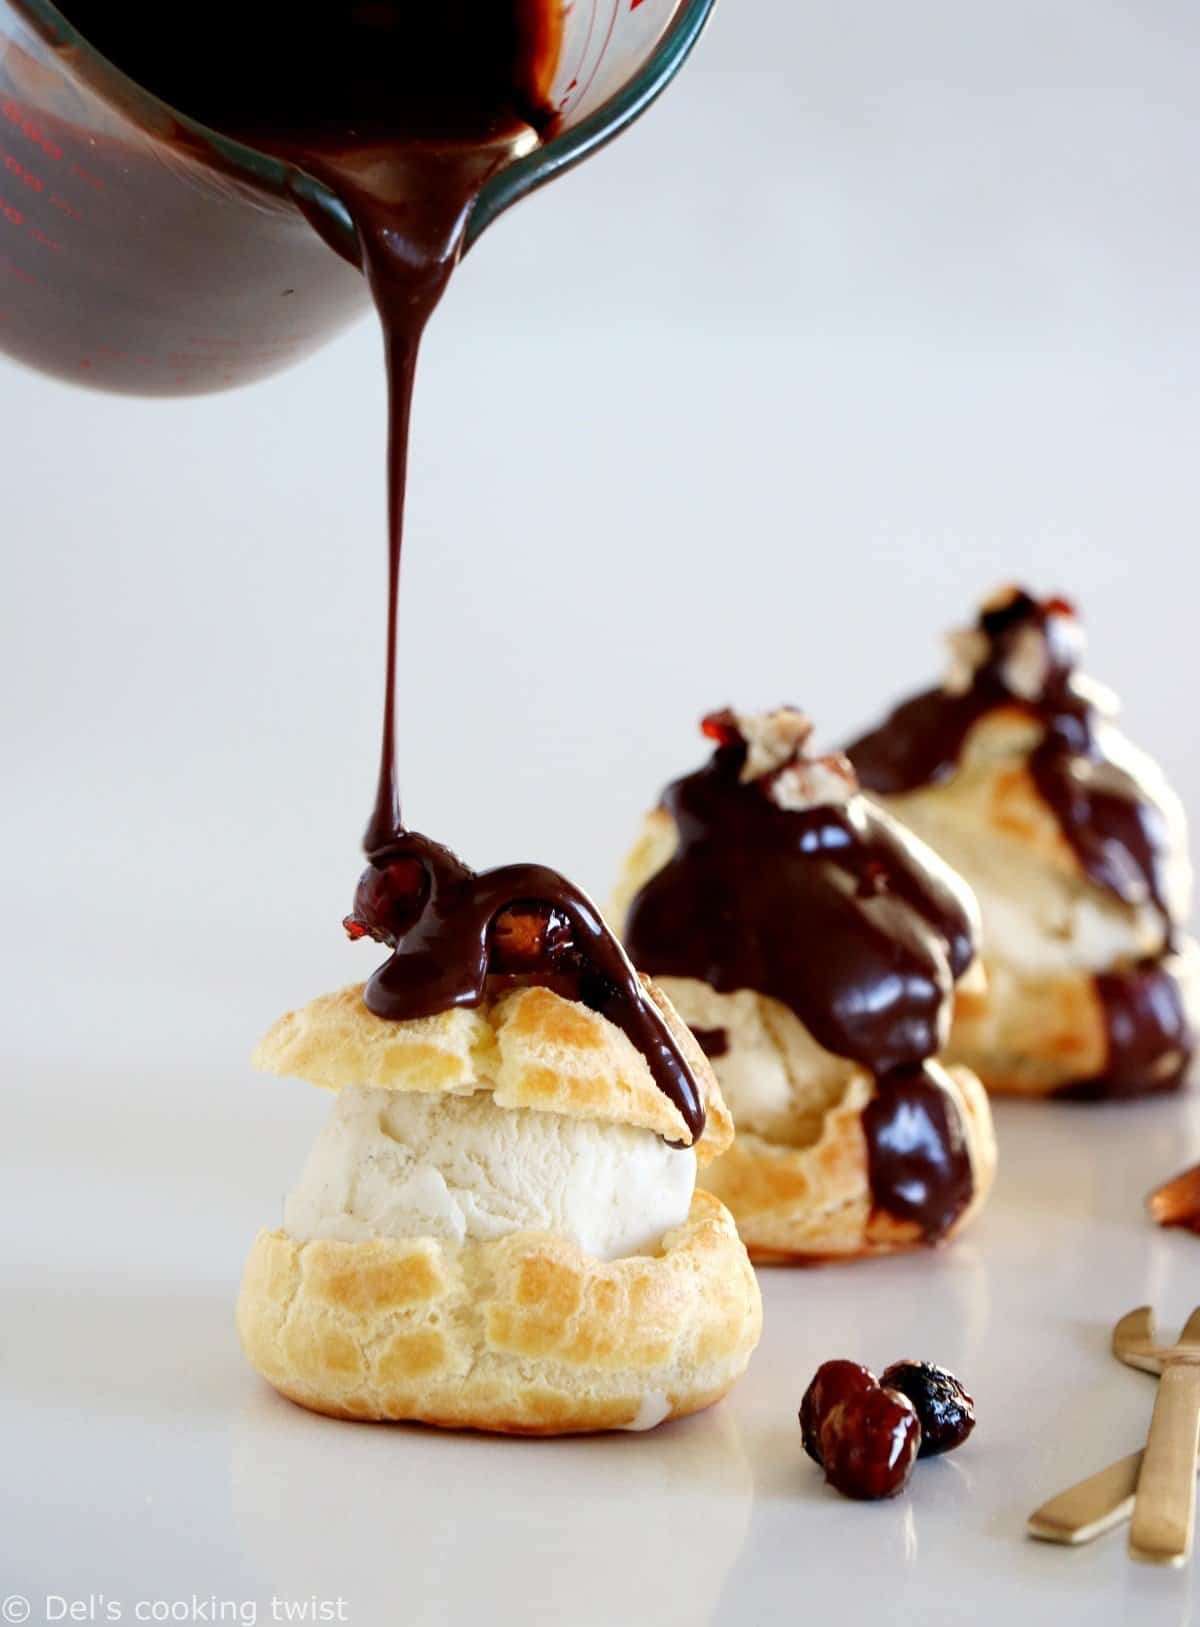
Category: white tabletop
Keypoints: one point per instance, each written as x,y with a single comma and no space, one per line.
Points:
144,1461
882,305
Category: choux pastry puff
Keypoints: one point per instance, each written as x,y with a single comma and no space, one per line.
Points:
499,1227
1076,847
815,948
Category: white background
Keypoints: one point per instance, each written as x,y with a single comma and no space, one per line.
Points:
882,304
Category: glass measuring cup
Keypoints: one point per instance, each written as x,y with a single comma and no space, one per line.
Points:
142,252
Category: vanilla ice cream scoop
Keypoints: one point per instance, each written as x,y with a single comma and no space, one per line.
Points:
390,1164
499,1226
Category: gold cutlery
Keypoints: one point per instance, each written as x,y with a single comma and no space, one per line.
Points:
1160,1532
1166,1503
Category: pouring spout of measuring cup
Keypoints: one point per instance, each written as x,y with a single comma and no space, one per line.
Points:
144,252
614,59
600,91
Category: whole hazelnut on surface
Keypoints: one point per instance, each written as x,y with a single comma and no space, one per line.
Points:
867,1432
870,1442
833,1382
946,1411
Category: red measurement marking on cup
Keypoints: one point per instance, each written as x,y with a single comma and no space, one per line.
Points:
28,126
612,24
14,167
96,182
7,268
12,216
573,86
31,129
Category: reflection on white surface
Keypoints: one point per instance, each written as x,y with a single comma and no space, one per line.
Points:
409,1524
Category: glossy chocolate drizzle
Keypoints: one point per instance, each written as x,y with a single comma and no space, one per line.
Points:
458,936
919,1165
833,911
405,111
1112,821
1150,1036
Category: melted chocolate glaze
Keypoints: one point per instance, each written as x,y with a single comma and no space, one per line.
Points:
917,1151
714,1042
404,111
1150,1035
1112,821
441,919
832,911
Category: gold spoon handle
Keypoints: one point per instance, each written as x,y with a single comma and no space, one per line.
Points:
1090,1508
1165,1504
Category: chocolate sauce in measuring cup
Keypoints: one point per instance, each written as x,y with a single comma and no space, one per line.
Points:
403,110
150,243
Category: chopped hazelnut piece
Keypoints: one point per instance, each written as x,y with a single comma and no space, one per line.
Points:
1178,1202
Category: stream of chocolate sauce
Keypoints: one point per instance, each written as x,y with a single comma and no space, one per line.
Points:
404,111
1111,820
834,912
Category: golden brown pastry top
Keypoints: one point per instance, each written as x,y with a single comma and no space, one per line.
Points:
530,1048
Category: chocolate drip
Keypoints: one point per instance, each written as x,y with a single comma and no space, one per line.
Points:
457,935
917,1151
1118,832
714,1042
834,912
830,910
1111,819
403,111
1150,1035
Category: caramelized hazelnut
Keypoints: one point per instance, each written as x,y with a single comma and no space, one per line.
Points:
388,901
946,1411
723,727
527,937
834,1382
870,1442
1177,1203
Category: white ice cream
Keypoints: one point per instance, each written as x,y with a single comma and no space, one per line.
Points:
1067,933
395,1164
653,1409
